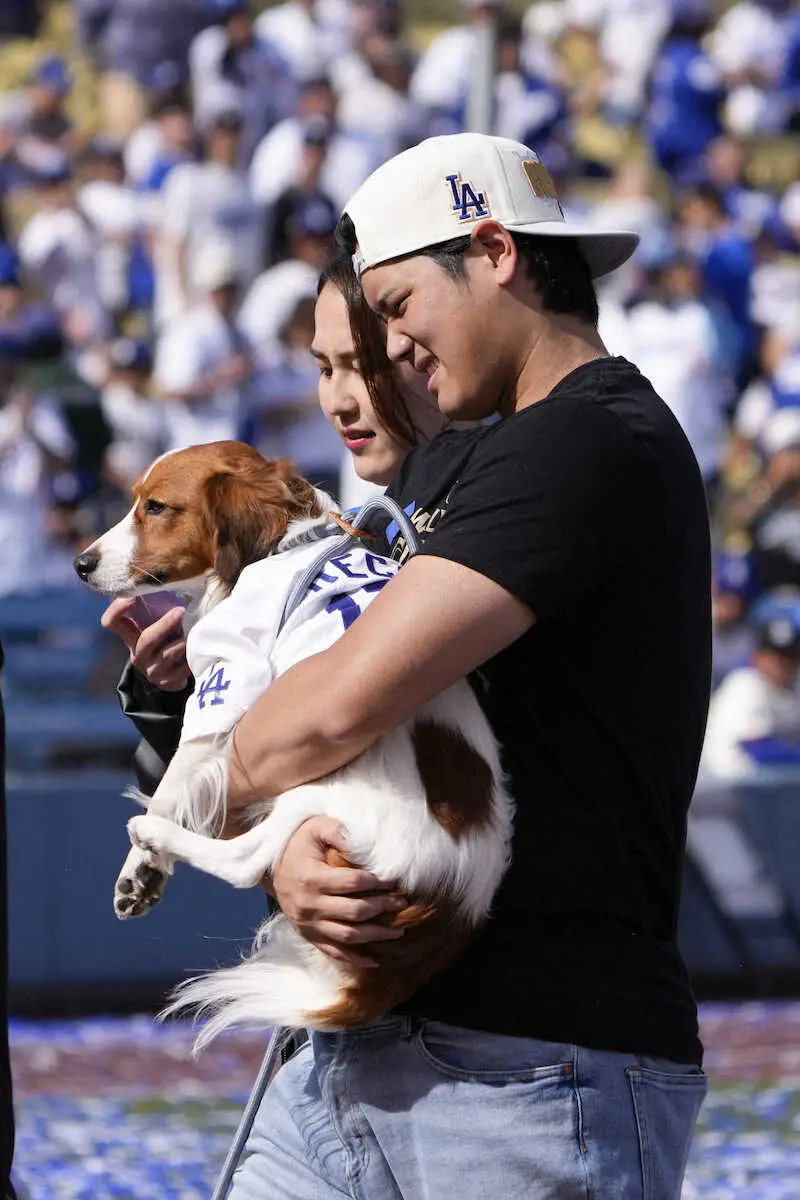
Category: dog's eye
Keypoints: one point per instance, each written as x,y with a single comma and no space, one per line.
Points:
154,507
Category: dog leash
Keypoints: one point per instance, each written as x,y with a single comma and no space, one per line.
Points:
278,1042
281,1038
331,547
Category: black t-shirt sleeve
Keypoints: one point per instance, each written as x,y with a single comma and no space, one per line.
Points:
548,504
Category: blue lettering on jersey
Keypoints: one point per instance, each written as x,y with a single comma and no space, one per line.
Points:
469,204
321,578
341,567
341,564
214,687
347,604
374,564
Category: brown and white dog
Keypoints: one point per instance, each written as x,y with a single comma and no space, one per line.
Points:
425,806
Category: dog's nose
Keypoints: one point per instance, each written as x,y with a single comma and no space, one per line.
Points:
86,563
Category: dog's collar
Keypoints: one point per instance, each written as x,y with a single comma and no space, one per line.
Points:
322,529
304,533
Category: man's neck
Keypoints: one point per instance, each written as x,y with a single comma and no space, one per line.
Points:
558,346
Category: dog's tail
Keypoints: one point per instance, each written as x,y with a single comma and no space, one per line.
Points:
283,979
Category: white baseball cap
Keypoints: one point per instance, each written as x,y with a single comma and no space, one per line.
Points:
441,188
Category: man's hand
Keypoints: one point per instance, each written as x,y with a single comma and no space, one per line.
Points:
338,908
156,651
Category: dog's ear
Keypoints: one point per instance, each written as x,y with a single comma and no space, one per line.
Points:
247,524
304,501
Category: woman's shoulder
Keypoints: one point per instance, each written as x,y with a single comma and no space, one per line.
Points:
437,462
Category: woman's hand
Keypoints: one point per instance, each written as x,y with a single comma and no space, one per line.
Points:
339,908
158,651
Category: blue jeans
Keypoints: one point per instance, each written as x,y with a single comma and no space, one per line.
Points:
418,1110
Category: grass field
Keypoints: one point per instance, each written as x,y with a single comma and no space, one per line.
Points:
116,1107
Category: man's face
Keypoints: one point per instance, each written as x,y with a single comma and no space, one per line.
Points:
444,328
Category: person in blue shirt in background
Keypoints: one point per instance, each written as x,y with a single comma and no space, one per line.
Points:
686,93
726,260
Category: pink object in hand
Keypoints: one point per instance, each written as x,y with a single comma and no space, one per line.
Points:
153,605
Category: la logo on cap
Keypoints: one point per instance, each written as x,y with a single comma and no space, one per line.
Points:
469,204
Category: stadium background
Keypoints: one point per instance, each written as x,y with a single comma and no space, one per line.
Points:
108,1103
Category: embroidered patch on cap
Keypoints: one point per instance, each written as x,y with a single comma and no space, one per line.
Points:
467,203
539,179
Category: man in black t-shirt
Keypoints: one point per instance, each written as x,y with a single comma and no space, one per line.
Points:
565,567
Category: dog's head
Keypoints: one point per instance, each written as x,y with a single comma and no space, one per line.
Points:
198,515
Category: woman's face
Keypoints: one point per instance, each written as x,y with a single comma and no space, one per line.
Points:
345,401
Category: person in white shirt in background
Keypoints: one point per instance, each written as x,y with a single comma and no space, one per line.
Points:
760,701
287,419
234,68
136,421
310,34
202,203
113,211
629,202
277,218
441,78
35,443
165,138
628,35
530,100
749,45
278,317
675,340
277,161
204,362
276,293
58,249
374,103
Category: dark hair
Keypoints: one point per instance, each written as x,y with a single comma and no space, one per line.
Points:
555,265
369,339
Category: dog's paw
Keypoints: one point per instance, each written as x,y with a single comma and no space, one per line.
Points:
140,884
154,836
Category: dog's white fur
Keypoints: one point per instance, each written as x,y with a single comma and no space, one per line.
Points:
379,798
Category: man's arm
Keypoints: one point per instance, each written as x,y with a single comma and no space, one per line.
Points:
431,625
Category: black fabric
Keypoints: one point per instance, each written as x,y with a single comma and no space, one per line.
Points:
158,715
426,480
589,507
6,1098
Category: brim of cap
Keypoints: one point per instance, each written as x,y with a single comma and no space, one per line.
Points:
603,251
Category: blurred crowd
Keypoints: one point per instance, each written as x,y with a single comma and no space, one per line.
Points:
159,257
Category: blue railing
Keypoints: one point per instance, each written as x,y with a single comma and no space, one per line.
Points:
69,753
69,750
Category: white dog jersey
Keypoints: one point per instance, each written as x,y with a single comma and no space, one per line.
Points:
236,650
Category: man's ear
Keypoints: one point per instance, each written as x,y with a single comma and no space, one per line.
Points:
497,244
